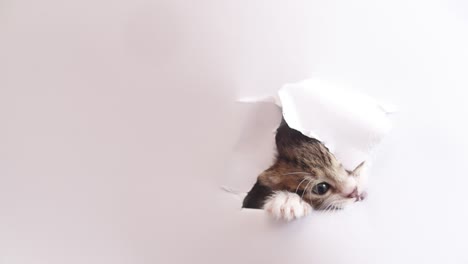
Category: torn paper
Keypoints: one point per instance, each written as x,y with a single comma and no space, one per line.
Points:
349,123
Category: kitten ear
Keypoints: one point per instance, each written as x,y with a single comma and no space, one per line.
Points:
358,169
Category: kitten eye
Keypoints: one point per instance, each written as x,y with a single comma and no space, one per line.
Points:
321,188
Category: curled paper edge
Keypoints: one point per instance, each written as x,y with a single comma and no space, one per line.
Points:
345,153
274,99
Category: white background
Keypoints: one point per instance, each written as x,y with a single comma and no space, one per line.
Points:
118,121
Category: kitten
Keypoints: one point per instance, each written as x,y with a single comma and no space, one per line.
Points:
304,177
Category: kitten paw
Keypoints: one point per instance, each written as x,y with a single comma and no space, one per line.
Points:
287,206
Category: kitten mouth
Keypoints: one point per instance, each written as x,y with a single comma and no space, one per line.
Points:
361,197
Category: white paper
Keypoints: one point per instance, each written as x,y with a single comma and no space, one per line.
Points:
349,123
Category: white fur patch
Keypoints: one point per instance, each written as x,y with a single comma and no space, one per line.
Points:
287,206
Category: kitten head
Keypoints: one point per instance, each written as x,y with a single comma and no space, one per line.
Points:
334,187
305,166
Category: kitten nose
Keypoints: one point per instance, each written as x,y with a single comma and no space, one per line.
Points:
363,196
353,194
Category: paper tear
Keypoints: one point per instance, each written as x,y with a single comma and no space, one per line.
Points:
262,99
238,194
349,123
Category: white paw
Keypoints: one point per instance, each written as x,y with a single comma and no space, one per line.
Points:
287,206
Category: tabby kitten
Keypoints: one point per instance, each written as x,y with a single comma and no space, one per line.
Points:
304,177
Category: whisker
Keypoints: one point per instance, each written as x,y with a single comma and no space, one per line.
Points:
305,189
329,206
340,203
324,206
300,184
311,186
336,206
333,206
297,172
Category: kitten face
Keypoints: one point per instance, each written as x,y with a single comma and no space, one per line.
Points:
305,166
335,188
324,188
